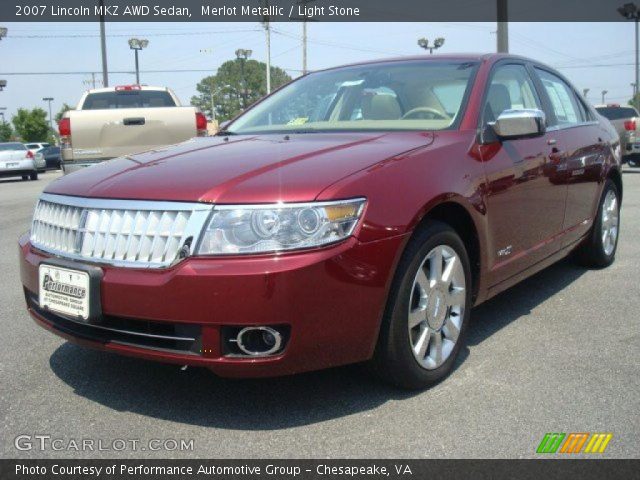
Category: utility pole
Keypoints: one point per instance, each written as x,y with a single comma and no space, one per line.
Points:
103,46
304,36
267,31
49,99
630,11
604,92
503,27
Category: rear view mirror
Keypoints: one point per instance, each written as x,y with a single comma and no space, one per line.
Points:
523,123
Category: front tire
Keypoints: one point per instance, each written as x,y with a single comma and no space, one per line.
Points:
427,311
599,250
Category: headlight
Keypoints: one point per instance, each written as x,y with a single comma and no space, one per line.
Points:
242,229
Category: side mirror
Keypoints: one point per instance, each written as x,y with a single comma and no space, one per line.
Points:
512,124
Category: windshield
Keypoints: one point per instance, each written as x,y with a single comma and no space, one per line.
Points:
413,95
11,146
617,113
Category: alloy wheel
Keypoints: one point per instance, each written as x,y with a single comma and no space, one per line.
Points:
436,307
609,222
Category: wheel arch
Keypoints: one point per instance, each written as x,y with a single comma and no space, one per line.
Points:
454,213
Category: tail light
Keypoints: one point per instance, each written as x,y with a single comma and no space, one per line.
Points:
29,155
201,124
630,125
64,129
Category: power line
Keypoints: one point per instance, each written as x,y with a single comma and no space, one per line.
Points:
150,34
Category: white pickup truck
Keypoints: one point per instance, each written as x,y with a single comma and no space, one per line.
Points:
123,120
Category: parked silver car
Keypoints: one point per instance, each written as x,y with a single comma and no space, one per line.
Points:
17,161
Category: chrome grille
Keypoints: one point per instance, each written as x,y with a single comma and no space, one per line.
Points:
120,232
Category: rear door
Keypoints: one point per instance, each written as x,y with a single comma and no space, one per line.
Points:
525,209
578,149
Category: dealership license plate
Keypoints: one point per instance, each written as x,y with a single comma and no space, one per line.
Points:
64,291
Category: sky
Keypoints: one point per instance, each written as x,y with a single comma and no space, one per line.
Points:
598,56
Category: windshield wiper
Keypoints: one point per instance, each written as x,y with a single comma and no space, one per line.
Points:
225,133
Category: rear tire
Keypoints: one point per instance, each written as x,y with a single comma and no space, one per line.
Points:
33,175
427,312
599,250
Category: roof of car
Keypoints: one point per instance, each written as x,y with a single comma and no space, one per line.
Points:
453,57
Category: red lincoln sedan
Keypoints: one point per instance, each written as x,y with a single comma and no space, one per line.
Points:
356,214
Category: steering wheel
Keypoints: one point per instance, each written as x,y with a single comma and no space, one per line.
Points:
426,113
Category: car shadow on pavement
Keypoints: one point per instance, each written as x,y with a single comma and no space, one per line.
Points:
198,397
520,299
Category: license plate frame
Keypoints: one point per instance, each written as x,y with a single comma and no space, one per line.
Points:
87,309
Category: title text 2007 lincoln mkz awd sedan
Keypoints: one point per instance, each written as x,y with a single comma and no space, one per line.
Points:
357,214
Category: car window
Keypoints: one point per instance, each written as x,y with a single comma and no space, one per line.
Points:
32,145
11,146
412,95
562,98
617,113
510,88
128,99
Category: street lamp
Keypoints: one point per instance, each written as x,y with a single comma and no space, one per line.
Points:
424,43
584,92
604,92
137,44
3,32
49,99
213,94
242,54
631,12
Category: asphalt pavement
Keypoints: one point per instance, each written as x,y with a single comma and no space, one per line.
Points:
560,352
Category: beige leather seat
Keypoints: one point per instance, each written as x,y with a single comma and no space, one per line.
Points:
380,107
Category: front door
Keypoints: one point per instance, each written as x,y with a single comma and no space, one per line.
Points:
525,209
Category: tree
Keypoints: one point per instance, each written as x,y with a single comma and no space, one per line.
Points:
31,125
6,132
65,108
227,87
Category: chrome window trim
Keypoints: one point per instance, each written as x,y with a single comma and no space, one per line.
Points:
554,128
200,214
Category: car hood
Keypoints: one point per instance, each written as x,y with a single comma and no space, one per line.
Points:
239,169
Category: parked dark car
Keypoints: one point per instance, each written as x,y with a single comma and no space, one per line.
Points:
357,214
52,157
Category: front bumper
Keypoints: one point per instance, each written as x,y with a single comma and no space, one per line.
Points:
329,300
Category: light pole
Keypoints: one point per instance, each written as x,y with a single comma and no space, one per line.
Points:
2,109
424,43
585,91
242,55
634,89
3,33
604,92
49,99
630,11
503,27
137,44
213,94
